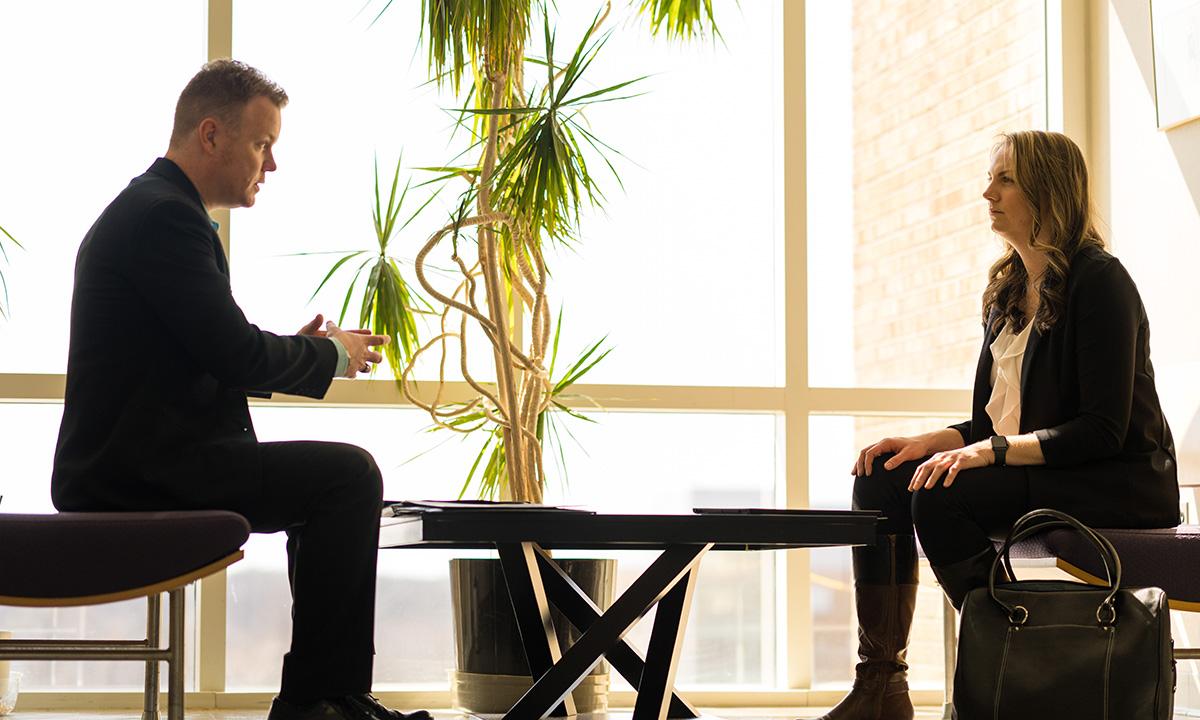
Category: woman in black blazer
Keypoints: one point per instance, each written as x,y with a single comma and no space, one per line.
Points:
1064,415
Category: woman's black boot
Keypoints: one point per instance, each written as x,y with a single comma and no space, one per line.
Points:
885,597
959,578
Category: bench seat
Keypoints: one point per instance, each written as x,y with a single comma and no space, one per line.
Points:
74,558
70,559
1166,558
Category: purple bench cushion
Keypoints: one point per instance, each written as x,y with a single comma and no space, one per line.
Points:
82,554
1166,557
1031,548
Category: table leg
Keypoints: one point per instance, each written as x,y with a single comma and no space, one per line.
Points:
532,612
578,608
662,575
662,655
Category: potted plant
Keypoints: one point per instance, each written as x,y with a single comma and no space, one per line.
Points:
521,192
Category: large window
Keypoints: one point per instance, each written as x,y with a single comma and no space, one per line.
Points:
903,108
82,114
880,226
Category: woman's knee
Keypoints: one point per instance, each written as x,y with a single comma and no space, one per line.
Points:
883,488
886,491
975,493
870,494
930,507
951,521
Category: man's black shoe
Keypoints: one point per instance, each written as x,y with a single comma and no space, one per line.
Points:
320,710
369,707
349,707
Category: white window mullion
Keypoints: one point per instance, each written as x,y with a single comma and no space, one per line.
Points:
211,595
220,45
797,610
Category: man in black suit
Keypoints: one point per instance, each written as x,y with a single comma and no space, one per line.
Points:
161,361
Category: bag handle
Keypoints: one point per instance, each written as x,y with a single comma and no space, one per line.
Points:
1106,613
1108,553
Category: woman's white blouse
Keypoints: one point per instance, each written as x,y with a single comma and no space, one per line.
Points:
1004,406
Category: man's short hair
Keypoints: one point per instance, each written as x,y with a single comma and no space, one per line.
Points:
221,89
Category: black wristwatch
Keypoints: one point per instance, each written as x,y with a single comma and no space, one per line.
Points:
1000,448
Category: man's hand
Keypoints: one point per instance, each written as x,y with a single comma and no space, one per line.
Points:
314,327
358,344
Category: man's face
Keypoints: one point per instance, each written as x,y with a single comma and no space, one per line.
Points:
245,158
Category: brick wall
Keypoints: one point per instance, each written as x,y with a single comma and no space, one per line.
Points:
934,81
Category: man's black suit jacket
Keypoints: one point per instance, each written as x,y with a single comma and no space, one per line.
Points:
161,357
1087,392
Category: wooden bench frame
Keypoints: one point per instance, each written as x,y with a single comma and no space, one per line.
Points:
149,650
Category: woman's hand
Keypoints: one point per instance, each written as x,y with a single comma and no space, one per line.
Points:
949,464
905,449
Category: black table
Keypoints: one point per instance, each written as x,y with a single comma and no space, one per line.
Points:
535,581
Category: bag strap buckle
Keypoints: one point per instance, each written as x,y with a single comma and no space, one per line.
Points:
1018,615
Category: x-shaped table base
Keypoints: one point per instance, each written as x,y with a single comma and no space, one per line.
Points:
535,582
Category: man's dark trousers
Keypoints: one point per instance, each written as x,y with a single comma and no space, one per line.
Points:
326,497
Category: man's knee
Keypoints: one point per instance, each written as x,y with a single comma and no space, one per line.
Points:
358,469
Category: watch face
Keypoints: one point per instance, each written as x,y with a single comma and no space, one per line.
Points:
1000,448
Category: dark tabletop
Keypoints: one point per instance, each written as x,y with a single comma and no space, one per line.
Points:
745,530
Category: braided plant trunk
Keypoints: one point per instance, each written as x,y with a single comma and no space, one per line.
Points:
523,387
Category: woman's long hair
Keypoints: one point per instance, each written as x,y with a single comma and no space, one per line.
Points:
1049,170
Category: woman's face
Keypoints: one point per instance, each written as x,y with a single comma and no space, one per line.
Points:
1012,218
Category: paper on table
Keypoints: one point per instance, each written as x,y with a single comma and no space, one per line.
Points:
402,507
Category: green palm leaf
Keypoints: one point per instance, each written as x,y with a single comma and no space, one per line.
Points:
3,281
460,31
680,19
389,304
336,266
543,176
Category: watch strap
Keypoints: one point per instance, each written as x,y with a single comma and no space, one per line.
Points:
1000,449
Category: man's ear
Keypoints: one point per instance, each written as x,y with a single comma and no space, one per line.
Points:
207,131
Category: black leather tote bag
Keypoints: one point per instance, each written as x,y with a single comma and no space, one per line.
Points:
1053,649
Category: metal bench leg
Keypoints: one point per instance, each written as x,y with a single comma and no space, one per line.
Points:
950,640
153,622
175,663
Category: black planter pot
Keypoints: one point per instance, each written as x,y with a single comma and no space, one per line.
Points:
492,672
